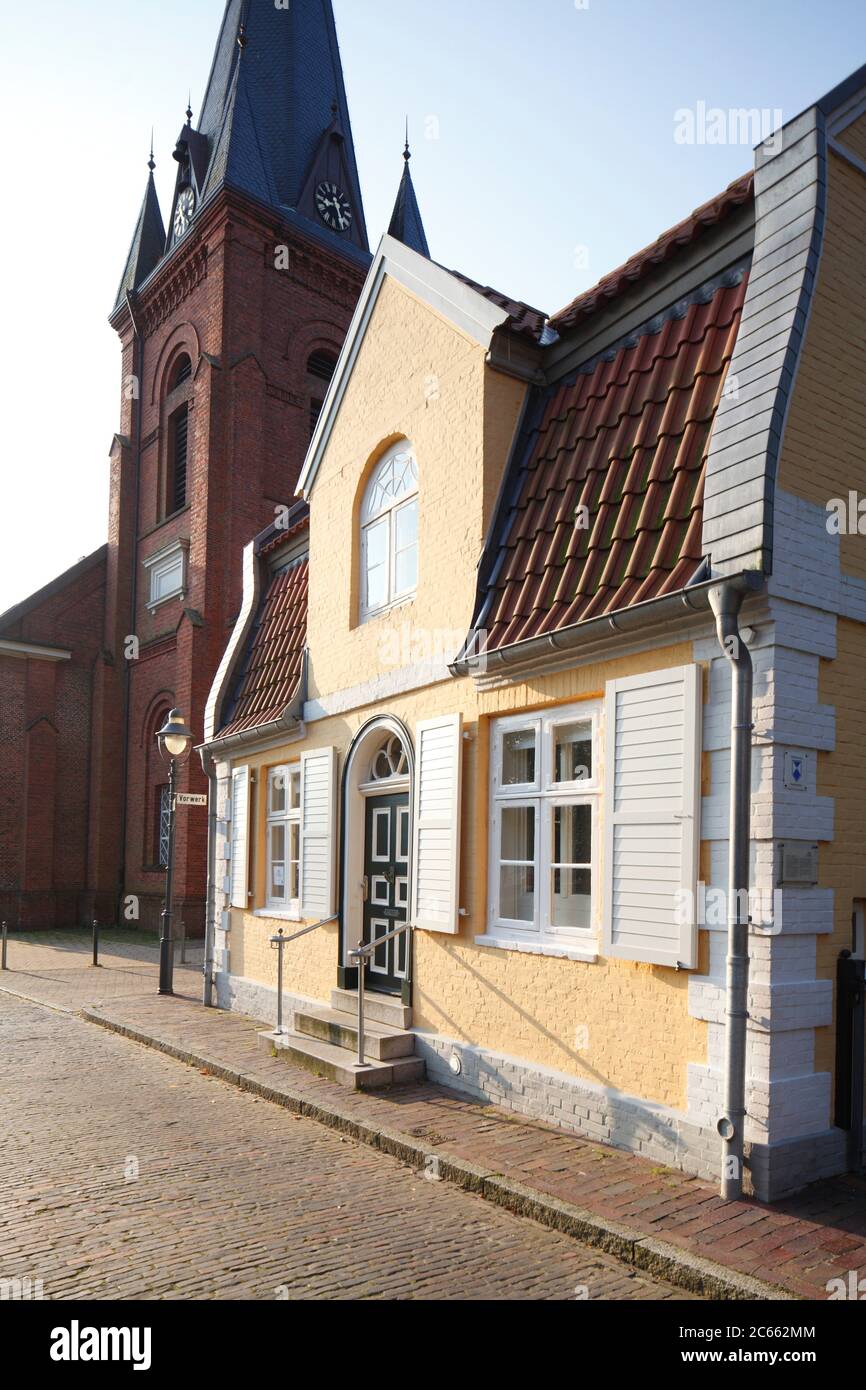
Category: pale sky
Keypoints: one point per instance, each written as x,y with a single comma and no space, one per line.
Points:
545,155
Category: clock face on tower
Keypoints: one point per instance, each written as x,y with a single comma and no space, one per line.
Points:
333,207
183,211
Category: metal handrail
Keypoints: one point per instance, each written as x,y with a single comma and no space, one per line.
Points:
371,946
359,953
280,941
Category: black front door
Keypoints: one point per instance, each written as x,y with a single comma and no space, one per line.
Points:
386,901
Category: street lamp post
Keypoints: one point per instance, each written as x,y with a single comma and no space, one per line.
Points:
175,742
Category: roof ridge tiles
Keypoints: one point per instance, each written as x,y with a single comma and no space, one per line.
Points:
739,192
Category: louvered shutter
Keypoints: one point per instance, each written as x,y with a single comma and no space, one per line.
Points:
652,814
240,836
436,825
318,833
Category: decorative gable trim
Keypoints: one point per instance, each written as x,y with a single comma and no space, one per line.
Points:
237,643
445,293
790,204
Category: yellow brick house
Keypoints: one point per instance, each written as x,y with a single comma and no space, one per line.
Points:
487,702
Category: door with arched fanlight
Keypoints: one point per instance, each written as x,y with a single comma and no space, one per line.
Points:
386,865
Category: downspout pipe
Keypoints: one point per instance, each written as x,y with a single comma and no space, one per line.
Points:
726,600
210,896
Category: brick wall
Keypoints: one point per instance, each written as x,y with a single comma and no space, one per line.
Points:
45,750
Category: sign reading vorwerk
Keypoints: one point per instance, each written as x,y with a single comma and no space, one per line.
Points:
190,799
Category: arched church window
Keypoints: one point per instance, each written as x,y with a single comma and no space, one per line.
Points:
181,373
178,446
389,531
175,484
321,366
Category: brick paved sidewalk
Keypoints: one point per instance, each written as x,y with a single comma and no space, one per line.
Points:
653,1217
56,968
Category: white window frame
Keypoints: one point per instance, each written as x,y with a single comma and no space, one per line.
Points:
289,816
387,515
161,567
543,794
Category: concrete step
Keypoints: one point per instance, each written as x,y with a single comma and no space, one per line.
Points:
381,1041
380,1008
324,1059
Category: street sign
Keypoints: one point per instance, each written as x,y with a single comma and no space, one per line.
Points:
190,799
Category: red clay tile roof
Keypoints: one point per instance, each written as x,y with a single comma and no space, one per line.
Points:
272,668
522,318
739,192
627,440
275,535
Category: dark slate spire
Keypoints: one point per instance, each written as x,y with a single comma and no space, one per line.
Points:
275,98
406,224
148,241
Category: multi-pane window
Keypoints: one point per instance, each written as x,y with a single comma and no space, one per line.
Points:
166,573
389,531
284,839
544,789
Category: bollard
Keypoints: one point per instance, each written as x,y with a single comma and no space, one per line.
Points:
278,942
3,965
183,942
95,941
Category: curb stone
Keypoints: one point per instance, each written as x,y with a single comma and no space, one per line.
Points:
657,1257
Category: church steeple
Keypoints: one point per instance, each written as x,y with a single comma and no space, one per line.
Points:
406,224
148,240
276,118
274,126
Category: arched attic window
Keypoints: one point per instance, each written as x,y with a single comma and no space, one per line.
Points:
177,406
321,366
389,531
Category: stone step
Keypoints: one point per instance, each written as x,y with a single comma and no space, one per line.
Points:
380,1008
324,1059
381,1041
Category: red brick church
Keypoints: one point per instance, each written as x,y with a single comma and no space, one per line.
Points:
230,322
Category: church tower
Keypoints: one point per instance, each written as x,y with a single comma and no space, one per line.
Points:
230,319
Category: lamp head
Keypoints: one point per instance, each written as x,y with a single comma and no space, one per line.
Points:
175,739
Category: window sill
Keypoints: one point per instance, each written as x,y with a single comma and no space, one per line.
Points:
587,953
277,914
154,603
371,615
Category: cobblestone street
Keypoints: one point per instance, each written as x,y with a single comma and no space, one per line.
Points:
127,1175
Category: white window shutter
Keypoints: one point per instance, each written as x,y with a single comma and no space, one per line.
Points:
318,833
652,816
436,825
240,837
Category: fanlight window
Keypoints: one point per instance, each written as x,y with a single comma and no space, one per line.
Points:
390,761
389,531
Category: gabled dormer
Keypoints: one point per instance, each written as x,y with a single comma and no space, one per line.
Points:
192,157
328,194
191,154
